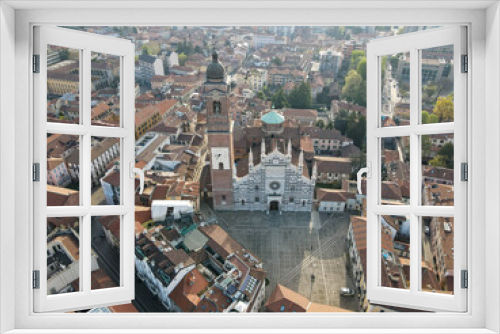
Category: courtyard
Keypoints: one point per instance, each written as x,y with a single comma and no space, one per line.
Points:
305,252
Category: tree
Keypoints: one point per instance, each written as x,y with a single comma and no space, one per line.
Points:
320,124
330,125
354,89
300,96
426,146
444,108
444,157
428,92
425,117
324,97
277,61
433,119
383,63
145,50
356,129
361,69
356,57
340,122
64,54
198,49
279,99
394,61
264,94
182,59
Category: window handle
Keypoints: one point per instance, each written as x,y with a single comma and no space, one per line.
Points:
134,170
362,171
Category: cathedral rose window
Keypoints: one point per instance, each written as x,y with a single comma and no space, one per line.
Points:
275,185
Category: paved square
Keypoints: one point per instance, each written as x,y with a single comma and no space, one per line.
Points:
305,252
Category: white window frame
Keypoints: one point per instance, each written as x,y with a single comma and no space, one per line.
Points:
85,43
413,43
19,17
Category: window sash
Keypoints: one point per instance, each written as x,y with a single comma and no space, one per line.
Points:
413,297
86,43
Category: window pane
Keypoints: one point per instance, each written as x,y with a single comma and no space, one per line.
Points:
395,85
105,171
105,89
395,247
437,170
105,232
395,183
63,170
63,84
437,84
437,254
63,255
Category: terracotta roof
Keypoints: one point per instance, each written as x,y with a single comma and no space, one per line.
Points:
54,163
99,148
112,224
286,299
438,173
125,308
57,196
334,195
186,293
99,109
333,165
71,245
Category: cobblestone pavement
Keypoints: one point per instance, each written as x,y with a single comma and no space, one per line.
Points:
305,252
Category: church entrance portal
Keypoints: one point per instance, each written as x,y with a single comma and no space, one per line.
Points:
274,206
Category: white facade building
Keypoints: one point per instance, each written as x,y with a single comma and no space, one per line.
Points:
276,184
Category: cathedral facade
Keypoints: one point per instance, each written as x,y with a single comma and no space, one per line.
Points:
273,176
276,183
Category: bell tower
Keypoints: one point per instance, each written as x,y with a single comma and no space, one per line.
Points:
220,134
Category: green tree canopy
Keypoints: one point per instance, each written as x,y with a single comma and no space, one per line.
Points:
356,129
340,121
361,69
444,157
425,117
300,96
182,59
264,94
354,89
356,57
279,99
277,61
444,108
320,124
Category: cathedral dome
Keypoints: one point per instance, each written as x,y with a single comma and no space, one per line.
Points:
215,71
272,117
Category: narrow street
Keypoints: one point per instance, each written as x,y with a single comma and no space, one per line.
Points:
109,260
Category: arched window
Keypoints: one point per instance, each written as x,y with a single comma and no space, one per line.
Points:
216,105
282,308
303,203
221,165
256,188
242,202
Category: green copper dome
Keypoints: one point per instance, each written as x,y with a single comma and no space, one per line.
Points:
272,117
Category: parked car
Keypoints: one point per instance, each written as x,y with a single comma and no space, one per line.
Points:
346,292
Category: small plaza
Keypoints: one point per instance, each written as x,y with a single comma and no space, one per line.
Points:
303,251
